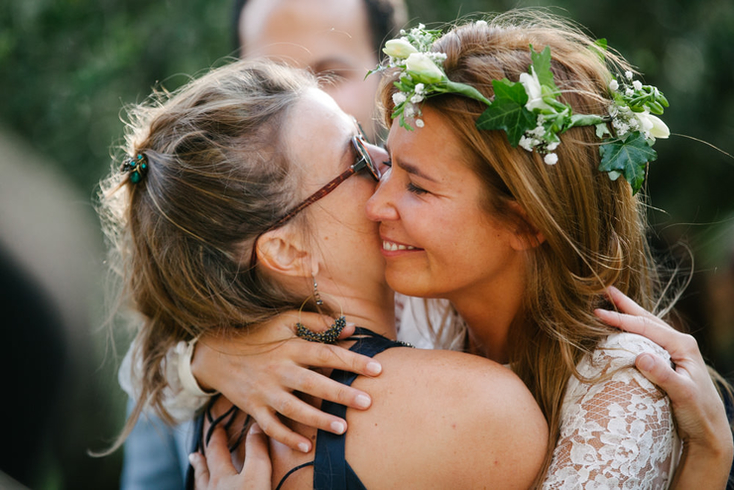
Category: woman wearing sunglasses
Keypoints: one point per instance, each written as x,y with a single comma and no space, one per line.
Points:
242,196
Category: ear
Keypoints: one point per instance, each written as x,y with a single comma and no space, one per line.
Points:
281,252
524,235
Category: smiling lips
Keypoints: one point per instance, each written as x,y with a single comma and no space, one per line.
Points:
395,247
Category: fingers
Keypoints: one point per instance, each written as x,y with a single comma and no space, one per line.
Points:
646,326
678,344
658,371
257,471
348,331
319,386
218,457
335,357
625,304
299,411
201,470
276,430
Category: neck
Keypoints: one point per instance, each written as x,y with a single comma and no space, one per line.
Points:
489,314
374,310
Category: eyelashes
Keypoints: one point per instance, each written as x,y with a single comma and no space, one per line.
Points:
415,189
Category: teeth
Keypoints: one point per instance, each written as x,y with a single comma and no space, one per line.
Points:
390,246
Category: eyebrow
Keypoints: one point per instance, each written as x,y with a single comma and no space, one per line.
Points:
339,63
411,168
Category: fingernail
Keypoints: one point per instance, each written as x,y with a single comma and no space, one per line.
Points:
303,447
374,368
192,458
255,429
645,362
338,427
363,401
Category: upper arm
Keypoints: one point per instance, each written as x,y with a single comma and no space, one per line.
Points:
616,433
453,421
505,427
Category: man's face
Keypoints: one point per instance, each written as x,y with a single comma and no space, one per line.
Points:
330,37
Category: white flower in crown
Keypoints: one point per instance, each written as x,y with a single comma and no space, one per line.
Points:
416,99
614,85
652,126
526,143
550,159
532,88
398,98
399,48
423,69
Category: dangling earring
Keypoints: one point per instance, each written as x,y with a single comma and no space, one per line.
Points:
316,294
329,336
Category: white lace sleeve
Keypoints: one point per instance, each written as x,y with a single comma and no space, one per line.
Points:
619,432
179,402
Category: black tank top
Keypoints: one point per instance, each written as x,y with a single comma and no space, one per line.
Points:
331,469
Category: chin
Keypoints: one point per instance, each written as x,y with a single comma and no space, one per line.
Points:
407,284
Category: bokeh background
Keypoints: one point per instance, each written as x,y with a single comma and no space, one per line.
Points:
67,68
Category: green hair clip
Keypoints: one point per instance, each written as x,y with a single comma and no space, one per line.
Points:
136,168
529,110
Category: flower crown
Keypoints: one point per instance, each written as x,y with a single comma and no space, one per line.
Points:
528,110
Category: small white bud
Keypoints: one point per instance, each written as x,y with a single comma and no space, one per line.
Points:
628,74
637,84
419,123
551,159
398,98
613,86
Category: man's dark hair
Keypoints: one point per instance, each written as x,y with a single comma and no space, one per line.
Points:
381,14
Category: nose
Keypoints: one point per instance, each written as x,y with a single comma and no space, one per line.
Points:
380,207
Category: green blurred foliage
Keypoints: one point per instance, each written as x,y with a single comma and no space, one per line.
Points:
70,66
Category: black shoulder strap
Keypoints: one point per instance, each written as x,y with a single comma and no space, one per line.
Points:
331,470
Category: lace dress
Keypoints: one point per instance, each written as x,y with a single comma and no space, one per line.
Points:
619,432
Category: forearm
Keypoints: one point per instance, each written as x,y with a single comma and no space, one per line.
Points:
703,468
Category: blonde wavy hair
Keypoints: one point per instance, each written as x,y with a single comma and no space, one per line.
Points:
218,176
594,227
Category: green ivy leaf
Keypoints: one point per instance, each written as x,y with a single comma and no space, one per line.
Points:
465,90
542,65
600,47
508,111
628,156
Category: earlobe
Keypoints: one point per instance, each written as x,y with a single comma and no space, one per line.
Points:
525,238
278,252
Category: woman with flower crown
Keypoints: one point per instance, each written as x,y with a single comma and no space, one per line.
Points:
223,216
504,197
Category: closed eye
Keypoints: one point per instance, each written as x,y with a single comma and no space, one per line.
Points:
415,189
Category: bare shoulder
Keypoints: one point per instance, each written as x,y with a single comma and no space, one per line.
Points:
445,418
